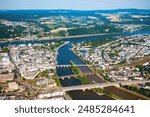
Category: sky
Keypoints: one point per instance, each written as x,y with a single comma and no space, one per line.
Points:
73,4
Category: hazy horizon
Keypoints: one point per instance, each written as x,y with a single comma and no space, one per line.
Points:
73,4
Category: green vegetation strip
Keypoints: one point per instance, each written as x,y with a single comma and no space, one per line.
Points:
83,79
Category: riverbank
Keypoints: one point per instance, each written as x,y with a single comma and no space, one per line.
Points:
56,52
71,38
57,38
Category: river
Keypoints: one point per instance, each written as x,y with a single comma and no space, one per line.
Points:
64,59
65,55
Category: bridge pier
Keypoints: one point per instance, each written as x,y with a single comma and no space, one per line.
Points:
68,77
83,90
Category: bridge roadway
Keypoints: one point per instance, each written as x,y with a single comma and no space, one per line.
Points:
102,85
75,75
78,65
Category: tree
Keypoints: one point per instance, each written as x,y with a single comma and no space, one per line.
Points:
5,49
5,72
1,89
140,67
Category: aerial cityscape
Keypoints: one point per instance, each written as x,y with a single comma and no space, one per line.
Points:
77,54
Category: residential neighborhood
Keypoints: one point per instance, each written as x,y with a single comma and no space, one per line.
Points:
118,56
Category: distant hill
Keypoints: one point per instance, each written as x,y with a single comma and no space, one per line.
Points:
21,15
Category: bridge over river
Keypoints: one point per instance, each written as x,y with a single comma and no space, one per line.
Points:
78,65
102,85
